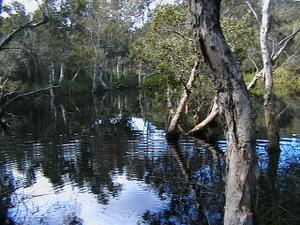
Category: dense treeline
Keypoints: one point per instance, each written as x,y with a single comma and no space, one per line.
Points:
84,40
94,45
198,56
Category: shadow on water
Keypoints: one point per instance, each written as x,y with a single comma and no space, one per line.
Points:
105,160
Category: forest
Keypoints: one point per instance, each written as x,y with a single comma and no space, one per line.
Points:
185,111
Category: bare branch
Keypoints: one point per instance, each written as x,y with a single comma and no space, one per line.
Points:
19,49
75,75
177,33
253,11
31,24
283,44
295,31
213,113
252,83
289,58
279,115
184,98
6,104
254,63
2,84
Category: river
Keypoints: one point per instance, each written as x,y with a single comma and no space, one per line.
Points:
104,160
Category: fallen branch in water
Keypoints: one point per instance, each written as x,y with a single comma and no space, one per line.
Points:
6,104
188,88
213,113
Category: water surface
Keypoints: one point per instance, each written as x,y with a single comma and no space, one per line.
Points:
105,160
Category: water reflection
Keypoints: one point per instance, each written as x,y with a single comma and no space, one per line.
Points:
105,160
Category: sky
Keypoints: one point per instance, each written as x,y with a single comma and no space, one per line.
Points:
32,5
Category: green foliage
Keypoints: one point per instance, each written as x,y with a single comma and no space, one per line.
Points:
85,35
156,82
128,81
170,16
286,83
83,84
240,34
81,35
166,48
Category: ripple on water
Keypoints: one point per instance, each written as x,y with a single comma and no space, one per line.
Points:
115,174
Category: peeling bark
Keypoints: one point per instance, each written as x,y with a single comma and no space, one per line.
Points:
234,103
282,45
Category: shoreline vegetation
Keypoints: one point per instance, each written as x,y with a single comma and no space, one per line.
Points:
210,68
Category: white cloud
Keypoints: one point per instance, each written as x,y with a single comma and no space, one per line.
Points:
30,5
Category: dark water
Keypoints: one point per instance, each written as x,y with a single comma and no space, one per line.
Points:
105,161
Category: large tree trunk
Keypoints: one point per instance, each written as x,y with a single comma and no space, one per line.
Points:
270,110
234,103
282,45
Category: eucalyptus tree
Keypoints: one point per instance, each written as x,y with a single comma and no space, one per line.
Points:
234,104
18,30
270,115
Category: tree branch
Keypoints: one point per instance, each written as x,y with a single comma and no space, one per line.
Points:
177,33
283,44
213,113
19,49
281,47
30,24
184,98
6,104
253,11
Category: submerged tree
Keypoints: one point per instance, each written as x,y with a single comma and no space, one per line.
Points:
270,111
234,104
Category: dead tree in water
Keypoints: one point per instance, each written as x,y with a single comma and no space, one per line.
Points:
269,104
172,129
98,79
234,104
7,99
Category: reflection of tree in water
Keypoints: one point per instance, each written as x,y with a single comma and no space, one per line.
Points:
279,190
89,144
73,143
92,162
6,189
287,116
194,190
